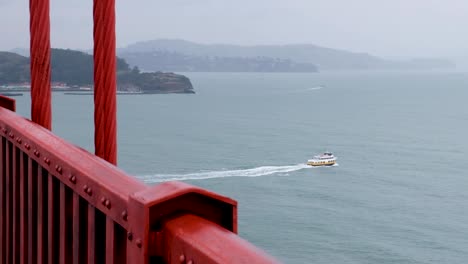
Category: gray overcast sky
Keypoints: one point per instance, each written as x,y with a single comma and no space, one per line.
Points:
381,27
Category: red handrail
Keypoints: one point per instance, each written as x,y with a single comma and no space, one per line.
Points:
196,240
60,203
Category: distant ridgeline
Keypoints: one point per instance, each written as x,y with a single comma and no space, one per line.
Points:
179,62
181,55
75,68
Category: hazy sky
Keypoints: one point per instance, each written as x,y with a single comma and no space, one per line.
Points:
381,27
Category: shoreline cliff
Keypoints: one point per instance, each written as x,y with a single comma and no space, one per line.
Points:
74,70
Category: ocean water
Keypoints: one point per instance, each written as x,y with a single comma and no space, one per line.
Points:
398,195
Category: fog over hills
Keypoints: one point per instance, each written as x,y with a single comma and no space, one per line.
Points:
324,58
181,55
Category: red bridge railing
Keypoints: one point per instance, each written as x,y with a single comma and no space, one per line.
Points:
61,204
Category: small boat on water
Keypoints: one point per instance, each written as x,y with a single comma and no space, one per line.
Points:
324,159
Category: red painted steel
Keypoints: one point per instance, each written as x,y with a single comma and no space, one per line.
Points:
8,103
195,239
111,212
90,252
105,121
15,200
162,202
51,220
2,200
77,228
110,242
41,217
9,207
39,25
66,220
32,210
23,208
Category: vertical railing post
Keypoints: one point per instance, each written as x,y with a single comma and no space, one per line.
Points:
8,103
39,26
3,206
105,123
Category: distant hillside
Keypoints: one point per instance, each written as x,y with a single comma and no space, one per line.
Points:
324,58
20,51
174,61
13,68
75,68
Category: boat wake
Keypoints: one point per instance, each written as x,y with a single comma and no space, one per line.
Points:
254,172
315,88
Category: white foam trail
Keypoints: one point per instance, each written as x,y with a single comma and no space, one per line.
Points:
254,172
315,88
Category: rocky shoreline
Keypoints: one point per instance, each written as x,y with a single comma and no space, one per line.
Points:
155,83
72,71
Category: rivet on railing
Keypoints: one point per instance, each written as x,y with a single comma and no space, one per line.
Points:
182,258
139,243
27,146
11,135
107,204
190,262
58,169
47,161
130,236
72,179
103,200
4,130
87,190
125,215
36,152
18,139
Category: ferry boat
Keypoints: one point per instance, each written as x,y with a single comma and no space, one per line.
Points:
324,159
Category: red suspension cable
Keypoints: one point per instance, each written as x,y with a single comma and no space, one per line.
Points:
39,26
105,123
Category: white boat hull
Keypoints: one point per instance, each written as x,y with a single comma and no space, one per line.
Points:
317,163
